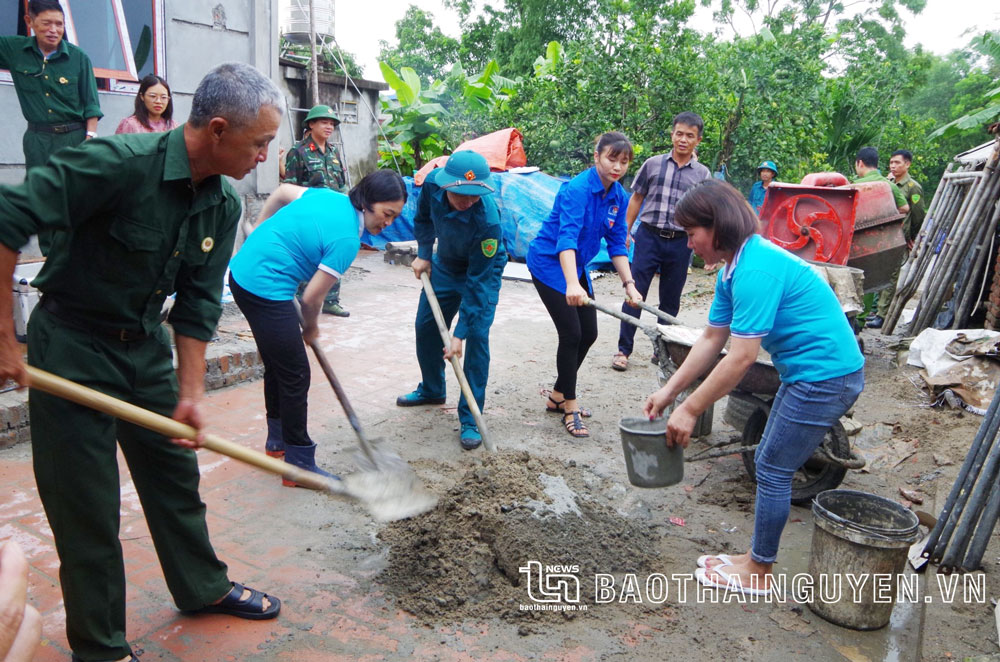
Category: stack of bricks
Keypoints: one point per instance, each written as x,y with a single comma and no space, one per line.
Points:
227,363
400,252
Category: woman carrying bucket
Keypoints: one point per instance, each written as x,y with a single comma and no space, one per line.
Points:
588,208
765,296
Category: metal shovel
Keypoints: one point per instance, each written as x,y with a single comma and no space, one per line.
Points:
376,458
386,500
459,373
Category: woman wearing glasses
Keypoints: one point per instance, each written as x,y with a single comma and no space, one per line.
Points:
153,108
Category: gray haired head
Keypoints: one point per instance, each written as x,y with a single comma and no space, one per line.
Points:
236,92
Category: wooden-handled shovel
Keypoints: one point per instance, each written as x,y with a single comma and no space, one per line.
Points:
459,373
386,500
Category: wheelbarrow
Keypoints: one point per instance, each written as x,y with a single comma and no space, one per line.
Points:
672,342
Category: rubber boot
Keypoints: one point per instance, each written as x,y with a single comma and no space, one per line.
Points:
275,444
303,457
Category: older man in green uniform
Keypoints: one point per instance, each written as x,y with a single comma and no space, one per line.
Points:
135,218
315,162
55,86
899,169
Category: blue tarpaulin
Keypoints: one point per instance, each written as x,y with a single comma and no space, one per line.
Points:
525,201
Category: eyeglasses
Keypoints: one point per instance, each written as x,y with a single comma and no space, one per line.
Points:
156,97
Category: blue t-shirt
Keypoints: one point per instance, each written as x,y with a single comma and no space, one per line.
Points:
770,294
317,231
581,216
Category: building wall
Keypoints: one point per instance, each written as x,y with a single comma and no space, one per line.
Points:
360,139
199,35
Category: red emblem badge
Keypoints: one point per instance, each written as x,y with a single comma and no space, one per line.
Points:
471,176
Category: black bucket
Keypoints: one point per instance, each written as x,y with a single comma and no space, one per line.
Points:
863,535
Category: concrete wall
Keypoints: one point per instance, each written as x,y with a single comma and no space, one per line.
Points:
199,35
361,138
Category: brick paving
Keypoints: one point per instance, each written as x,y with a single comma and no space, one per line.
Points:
319,555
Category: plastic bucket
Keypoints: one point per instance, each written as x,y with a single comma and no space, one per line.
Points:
647,459
864,536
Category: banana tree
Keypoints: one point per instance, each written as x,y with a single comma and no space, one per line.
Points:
415,117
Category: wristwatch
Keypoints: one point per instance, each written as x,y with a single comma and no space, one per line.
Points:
628,282
92,134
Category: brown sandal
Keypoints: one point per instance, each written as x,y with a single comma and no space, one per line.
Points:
574,425
619,362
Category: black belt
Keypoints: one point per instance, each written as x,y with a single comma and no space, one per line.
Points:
71,319
66,127
666,234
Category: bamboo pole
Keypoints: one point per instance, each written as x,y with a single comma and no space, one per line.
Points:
970,293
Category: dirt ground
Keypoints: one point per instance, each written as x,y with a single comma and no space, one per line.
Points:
459,564
458,583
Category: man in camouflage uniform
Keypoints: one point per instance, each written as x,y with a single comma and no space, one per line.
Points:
316,163
899,168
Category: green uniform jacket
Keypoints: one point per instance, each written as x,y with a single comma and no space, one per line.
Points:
130,230
307,165
914,194
876,176
60,90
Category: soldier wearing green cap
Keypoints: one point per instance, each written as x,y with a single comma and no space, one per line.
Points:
456,208
316,163
767,173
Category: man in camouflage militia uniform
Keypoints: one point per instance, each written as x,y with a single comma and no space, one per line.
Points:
316,163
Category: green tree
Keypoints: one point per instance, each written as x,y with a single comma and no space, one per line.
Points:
420,45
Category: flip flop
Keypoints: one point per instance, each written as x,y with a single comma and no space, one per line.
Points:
704,559
730,585
252,608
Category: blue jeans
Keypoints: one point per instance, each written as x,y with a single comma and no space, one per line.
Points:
801,414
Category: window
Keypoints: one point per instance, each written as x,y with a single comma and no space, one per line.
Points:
349,112
100,30
123,38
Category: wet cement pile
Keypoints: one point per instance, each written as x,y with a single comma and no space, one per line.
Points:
464,558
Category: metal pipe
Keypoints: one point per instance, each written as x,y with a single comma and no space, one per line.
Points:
949,504
974,556
664,317
962,498
985,482
920,258
968,288
962,175
954,250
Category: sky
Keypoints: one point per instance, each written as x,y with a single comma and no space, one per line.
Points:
940,27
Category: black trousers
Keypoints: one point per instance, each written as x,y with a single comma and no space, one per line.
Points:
276,330
577,329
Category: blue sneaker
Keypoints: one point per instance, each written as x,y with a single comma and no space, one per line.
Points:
470,437
416,398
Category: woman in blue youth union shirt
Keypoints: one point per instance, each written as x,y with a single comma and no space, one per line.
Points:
588,208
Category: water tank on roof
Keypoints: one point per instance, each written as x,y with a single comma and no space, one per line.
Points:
295,19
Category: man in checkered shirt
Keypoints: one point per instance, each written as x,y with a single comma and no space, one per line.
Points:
661,244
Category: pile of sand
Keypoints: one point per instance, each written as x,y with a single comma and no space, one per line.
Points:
463,559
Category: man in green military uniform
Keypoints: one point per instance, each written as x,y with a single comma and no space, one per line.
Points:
135,218
866,167
899,168
55,86
315,162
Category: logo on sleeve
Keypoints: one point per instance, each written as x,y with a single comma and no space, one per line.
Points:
489,247
612,215
916,198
